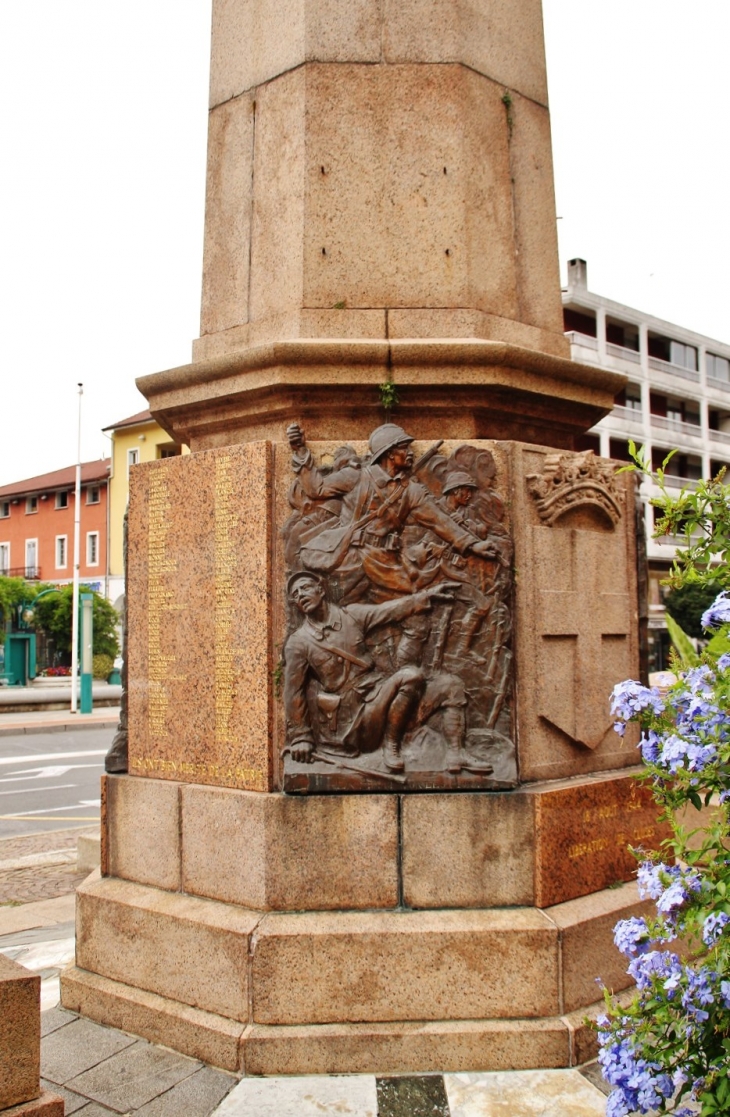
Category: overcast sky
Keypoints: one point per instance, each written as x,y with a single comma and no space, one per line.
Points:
103,110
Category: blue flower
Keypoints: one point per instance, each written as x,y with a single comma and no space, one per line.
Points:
629,698
724,661
713,927
631,936
718,613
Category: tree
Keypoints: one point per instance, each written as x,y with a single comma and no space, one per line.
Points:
53,614
686,604
13,592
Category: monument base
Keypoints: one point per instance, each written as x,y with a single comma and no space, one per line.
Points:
352,934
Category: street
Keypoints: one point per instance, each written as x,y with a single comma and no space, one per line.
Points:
50,781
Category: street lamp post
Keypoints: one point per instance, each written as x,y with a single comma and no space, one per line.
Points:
77,537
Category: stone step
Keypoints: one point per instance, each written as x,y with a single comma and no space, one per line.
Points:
314,968
382,1048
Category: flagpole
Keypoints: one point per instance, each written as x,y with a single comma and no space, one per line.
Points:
77,538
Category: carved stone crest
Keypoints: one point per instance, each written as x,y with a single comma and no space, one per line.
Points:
572,481
397,666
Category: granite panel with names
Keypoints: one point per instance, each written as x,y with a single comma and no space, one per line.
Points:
199,601
583,832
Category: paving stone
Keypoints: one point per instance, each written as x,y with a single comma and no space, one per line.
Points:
134,1076
592,1072
39,882
196,1096
72,1102
345,1096
540,1093
93,1109
71,1050
412,1096
54,1018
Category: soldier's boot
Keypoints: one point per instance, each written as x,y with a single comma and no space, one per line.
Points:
454,728
396,725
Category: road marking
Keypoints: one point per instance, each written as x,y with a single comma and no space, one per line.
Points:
75,807
27,791
51,756
49,818
51,772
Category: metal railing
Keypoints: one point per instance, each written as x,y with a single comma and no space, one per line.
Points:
30,573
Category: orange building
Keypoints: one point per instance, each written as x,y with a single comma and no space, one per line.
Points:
37,526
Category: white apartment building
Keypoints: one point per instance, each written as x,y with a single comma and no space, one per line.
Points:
677,397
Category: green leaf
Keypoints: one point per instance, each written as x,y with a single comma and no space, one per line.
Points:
682,644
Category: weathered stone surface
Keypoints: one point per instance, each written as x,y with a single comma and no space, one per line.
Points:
47,1104
199,671
469,850
83,1044
583,830
351,967
130,1079
588,952
142,823
180,947
576,616
202,1035
402,1047
274,852
20,1034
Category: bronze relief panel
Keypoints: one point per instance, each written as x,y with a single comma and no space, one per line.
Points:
397,665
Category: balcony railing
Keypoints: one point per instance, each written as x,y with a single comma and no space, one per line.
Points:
721,385
673,482
720,436
585,340
674,370
678,426
627,414
30,573
623,353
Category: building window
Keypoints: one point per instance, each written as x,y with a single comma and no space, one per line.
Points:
169,450
62,499
132,458
576,321
31,559
4,558
93,494
92,548
718,367
31,505
61,552
4,509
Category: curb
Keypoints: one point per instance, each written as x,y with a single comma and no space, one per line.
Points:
55,727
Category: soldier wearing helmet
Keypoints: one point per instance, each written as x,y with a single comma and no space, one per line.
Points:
379,499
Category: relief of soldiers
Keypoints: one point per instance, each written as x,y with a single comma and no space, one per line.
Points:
380,497
329,667
399,615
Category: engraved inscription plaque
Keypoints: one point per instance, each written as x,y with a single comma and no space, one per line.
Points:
199,595
397,661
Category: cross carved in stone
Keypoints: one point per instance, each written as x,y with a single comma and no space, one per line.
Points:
583,618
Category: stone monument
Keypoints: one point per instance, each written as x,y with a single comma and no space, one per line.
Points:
374,813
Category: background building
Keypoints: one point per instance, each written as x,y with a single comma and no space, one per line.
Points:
135,439
677,397
37,526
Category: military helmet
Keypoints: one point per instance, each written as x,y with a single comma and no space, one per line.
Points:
384,438
458,481
299,576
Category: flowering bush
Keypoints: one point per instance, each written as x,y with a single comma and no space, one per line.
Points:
668,1049
55,672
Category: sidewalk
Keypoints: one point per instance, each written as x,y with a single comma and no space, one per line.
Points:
43,720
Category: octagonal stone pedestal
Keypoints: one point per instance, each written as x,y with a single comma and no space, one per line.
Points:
354,934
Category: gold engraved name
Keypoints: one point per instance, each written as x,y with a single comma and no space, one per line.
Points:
160,600
201,769
227,529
